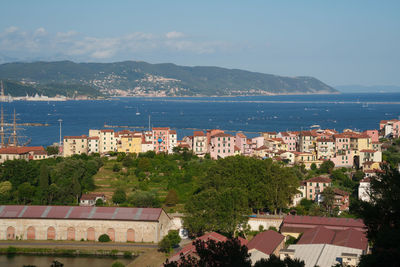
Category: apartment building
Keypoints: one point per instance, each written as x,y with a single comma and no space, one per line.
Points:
161,139
75,145
222,145
199,146
93,144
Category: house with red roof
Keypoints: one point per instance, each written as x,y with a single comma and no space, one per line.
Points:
295,225
265,244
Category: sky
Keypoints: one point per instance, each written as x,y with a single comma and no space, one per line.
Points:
339,42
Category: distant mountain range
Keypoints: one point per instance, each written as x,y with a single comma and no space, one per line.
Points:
134,78
368,89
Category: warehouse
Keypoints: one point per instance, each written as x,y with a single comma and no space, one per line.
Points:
83,223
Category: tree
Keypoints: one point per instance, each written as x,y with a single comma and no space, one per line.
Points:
326,167
274,261
116,168
328,199
99,202
52,150
313,166
104,238
211,253
145,199
169,241
119,196
381,215
44,179
5,190
172,198
26,192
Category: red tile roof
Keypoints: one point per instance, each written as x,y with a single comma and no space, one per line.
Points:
75,137
221,135
241,135
172,132
93,138
79,212
191,249
21,150
317,235
266,242
91,196
325,221
346,238
198,133
351,238
107,131
340,192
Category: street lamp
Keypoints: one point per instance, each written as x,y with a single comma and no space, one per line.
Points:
60,121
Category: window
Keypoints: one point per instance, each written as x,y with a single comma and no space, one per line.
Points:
310,190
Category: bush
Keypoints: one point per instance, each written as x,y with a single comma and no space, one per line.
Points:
104,238
169,241
99,202
11,250
172,198
119,196
127,254
116,168
165,245
117,264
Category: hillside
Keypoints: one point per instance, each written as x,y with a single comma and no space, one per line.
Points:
18,89
141,78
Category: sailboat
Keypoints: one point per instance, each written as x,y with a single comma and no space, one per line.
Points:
137,111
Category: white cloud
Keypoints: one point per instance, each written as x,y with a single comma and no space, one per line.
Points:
103,54
40,32
71,44
11,29
174,35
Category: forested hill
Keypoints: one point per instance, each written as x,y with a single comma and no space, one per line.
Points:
141,78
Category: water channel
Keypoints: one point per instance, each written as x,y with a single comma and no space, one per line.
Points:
46,261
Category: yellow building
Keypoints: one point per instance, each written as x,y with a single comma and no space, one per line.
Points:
75,145
360,142
130,143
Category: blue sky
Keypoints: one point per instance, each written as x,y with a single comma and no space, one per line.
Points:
340,42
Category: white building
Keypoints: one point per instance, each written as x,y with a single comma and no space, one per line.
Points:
364,189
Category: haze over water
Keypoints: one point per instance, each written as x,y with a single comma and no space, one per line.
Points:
248,114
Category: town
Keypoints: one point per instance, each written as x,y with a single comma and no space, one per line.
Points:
336,238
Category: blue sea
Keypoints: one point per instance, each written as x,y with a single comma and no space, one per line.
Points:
248,114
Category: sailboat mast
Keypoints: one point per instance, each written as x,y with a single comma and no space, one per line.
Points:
2,126
14,131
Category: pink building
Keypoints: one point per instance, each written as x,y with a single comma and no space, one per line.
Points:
210,133
241,142
342,142
161,139
222,145
373,134
344,158
290,139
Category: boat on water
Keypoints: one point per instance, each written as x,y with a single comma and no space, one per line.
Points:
137,111
315,126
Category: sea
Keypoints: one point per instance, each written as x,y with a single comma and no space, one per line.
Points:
249,114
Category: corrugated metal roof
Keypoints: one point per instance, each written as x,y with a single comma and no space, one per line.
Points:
321,254
80,212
